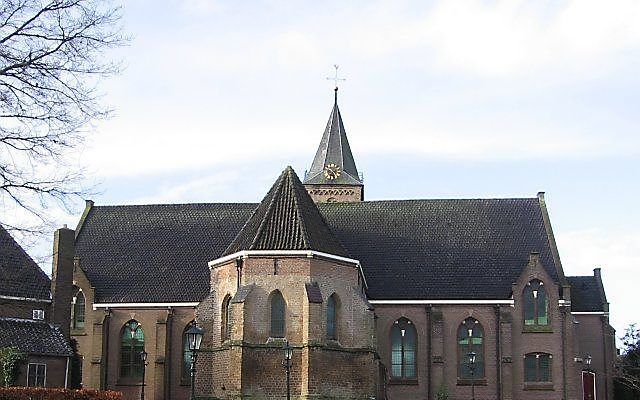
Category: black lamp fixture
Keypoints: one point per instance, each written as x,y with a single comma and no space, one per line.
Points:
143,358
286,363
472,369
194,339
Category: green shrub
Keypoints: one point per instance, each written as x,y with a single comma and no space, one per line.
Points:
10,358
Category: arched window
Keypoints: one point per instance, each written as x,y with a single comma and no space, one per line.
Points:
78,311
537,367
277,314
186,353
226,318
332,316
131,345
470,339
536,304
403,349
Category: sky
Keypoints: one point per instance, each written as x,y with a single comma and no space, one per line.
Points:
442,99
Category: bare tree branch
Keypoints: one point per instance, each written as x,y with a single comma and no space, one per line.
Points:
52,59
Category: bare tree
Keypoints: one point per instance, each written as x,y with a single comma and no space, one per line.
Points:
52,58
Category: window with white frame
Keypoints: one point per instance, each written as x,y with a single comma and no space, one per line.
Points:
37,314
36,375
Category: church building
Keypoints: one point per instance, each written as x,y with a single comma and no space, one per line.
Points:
397,299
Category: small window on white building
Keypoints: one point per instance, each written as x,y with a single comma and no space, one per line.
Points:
38,314
36,375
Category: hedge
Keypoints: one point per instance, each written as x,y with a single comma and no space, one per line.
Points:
31,393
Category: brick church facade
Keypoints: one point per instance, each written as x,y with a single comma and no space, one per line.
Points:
379,299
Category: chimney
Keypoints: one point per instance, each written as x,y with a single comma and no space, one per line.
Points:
62,278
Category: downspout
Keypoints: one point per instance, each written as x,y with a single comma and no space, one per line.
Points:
168,361
66,374
498,354
428,310
564,355
105,353
604,355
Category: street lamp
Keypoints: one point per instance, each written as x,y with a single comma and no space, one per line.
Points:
472,369
194,338
143,358
286,363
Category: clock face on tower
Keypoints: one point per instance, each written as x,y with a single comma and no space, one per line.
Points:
332,171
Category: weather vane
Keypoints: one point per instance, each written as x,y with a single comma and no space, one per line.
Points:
335,78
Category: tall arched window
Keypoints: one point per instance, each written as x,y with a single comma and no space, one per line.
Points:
131,345
536,304
78,311
186,353
332,314
277,315
226,318
403,349
470,339
537,367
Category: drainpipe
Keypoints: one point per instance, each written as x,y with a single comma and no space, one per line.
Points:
428,310
66,374
564,355
496,308
604,355
105,353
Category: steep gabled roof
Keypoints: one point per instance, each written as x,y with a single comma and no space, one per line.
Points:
334,149
286,219
33,337
409,249
585,294
20,276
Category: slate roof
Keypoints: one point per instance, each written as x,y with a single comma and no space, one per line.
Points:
585,294
443,248
20,276
409,249
334,149
33,337
286,219
156,253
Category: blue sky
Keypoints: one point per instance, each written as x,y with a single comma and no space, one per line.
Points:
441,99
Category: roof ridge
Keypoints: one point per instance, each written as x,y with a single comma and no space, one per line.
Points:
301,222
269,212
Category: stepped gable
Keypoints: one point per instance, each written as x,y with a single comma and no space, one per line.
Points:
20,276
287,219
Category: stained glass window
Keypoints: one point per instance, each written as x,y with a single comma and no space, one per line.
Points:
403,349
226,318
536,304
470,339
131,345
537,367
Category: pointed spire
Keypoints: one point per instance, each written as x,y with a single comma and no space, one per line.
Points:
287,219
334,163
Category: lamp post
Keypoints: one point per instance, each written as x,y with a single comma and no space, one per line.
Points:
472,369
194,338
286,363
143,358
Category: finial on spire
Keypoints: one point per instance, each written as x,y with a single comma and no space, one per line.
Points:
335,79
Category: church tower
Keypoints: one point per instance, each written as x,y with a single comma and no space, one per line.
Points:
333,176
